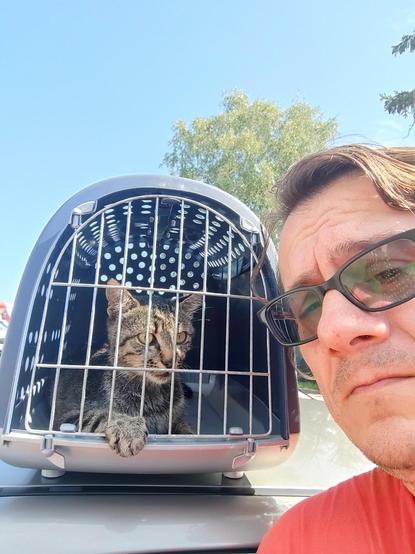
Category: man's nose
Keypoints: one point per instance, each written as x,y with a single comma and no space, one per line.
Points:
343,327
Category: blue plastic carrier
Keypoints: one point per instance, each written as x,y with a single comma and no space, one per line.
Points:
158,237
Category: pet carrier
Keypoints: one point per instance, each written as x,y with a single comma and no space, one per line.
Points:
158,242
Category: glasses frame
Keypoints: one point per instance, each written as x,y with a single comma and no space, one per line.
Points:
334,283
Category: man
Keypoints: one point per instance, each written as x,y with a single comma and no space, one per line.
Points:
347,264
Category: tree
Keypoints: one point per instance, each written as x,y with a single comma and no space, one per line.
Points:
402,102
248,146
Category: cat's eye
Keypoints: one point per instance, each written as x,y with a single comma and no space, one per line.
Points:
181,337
142,338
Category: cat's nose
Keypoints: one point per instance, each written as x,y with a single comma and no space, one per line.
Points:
167,360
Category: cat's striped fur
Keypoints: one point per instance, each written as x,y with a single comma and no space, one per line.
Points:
127,430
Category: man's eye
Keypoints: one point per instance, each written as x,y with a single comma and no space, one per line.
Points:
309,309
390,274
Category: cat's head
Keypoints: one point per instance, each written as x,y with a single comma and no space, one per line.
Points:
133,331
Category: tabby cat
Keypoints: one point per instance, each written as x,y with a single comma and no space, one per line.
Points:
127,430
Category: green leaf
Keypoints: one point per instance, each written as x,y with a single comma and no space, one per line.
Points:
407,43
402,102
246,147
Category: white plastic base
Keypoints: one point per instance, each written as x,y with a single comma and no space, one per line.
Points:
233,474
52,473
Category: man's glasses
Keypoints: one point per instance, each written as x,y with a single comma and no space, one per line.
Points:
380,277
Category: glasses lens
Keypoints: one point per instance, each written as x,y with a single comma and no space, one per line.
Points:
294,317
384,276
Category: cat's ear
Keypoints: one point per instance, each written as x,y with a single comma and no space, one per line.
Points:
113,298
191,303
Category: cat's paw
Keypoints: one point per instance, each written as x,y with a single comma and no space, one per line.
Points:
127,435
182,428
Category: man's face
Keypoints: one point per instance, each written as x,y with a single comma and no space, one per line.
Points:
364,362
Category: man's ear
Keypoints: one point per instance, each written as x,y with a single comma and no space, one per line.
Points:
113,298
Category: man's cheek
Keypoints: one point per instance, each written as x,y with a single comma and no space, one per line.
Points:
319,371
307,353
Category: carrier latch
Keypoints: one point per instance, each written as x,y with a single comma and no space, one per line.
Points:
48,449
248,453
83,209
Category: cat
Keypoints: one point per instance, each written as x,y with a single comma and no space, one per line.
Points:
127,431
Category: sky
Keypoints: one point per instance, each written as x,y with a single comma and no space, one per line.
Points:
90,89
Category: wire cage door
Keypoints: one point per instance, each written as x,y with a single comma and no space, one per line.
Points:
162,251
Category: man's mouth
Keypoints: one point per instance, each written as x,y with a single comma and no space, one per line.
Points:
378,383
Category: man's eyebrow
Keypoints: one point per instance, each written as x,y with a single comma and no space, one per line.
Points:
303,280
340,250
350,248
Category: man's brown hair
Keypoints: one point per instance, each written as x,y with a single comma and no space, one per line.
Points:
391,170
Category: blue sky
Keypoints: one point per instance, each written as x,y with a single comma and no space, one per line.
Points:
91,88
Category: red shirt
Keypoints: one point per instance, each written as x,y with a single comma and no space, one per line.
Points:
372,513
